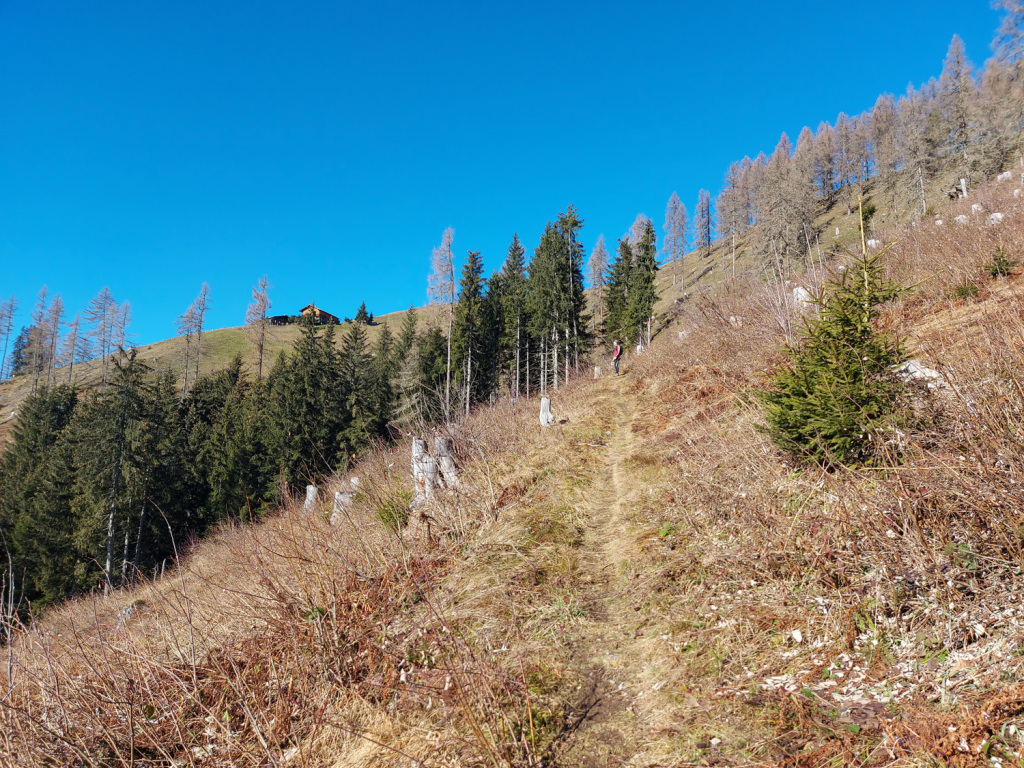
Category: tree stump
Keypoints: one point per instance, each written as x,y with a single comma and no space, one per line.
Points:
446,463
424,473
310,503
342,500
597,371
546,417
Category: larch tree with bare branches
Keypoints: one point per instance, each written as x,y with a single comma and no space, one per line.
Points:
70,346
7,311
704,223
441,290
598,266
199,313
674,248
257,323
101,315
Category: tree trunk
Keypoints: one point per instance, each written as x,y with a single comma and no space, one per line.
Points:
448,368
546,417
138,540
446,463
124,554
310,504
107,571
527,369
554,356
518,347
184,385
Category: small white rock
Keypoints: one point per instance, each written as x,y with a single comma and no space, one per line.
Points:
798,636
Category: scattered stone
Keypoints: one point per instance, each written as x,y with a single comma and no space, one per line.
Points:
913,370
977,208
995,218
802,297
1004,176
961,219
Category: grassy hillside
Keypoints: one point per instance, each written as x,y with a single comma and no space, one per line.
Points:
219,348
649,582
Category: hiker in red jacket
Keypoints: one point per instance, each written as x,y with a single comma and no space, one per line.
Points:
616,355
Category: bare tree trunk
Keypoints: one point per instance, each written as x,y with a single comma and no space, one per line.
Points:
138,540
518,346
109,568
124,555
734,257
448,367
554,356
920,181
469,374
527,369
184,386
544,365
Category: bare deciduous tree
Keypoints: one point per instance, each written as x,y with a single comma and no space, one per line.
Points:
598,266
69,348
441,290
200,305
37,336
186,326
101,316
7,312
675,233
51,335
122,319
704,223
256,322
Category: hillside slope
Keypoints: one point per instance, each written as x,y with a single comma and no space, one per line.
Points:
649,582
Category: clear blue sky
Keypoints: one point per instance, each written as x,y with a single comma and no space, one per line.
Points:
154,146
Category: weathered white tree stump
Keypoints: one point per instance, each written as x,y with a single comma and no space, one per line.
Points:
446,463
424,473
546,417
310,504
597,371
342,501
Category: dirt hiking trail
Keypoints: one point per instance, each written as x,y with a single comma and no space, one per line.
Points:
612,654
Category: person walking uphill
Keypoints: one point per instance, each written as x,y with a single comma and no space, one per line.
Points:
616,354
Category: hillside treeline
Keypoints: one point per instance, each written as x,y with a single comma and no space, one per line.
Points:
967,124
99,488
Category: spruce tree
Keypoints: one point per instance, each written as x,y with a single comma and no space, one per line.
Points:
469,348
837,388
617,323
355,379
642,288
